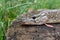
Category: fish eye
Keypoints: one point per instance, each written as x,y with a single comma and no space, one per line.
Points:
33,17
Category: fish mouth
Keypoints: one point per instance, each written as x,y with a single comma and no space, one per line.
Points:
30,23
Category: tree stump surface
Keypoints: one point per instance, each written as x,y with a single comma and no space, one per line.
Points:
29,32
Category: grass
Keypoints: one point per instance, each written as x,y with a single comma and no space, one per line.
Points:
10,9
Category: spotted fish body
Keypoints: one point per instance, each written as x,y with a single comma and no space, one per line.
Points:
53,15
41,17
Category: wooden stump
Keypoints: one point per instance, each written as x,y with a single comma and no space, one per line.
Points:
33,32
